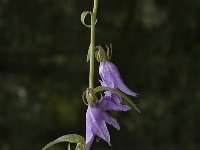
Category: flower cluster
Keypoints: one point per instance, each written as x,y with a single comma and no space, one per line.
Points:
97,115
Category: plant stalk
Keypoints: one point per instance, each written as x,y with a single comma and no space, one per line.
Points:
92,44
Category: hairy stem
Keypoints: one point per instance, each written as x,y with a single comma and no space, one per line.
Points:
92,44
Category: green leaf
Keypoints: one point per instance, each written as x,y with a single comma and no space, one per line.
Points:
102,88
83,15
72,138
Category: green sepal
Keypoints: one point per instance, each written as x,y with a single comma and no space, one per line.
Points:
83,15
71,138
69,148
109,51
100,54
83,98
88,54
80,147
89,97
102,88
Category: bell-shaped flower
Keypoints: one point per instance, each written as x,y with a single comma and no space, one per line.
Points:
110,76
97,117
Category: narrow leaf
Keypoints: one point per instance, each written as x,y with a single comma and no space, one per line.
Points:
102,88
72,138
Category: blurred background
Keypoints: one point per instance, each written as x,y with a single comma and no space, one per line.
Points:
43,71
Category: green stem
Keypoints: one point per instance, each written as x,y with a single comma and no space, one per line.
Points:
92,44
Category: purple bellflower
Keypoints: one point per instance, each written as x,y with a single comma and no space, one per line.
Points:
97,117
110,77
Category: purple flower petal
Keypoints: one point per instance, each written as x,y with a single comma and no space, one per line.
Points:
124,88
112,102
96,119
105,75
112,121
111,77
89,133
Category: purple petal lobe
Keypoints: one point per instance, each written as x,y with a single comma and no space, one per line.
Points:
111,77
112,103
105,75
124,88
89,133
112,121
96,119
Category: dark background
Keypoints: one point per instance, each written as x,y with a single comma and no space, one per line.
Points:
43,71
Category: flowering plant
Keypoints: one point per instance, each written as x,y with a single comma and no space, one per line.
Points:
114,90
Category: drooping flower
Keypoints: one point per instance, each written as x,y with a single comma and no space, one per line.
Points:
110,76
97,117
